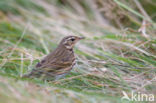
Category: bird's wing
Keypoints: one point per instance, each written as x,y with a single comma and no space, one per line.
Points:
53,63
54,60
53,69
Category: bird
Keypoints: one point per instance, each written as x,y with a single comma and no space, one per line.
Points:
57,63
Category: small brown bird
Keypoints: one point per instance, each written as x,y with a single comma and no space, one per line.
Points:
58,63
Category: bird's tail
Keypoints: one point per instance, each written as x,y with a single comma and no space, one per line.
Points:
33,74
28,75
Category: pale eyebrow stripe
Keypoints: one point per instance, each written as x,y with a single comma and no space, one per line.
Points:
71,38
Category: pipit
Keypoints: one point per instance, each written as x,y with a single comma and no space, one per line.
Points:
58,63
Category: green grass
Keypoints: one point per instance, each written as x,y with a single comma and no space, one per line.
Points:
110,59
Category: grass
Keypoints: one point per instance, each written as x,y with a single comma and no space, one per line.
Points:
114,57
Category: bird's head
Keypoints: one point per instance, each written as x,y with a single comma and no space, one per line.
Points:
70,41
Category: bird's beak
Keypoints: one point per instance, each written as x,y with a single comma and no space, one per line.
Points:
81,38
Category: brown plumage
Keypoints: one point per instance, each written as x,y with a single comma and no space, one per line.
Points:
57,63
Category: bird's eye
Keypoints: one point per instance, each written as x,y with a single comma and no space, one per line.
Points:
72,39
